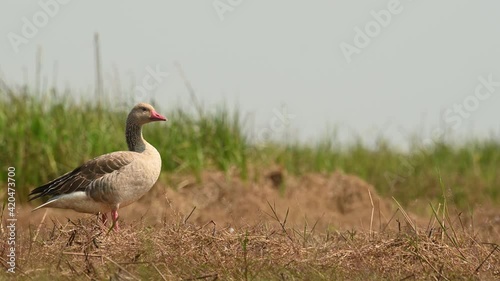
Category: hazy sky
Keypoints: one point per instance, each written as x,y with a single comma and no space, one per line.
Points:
366,67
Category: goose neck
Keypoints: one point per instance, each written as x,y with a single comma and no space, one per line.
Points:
133,134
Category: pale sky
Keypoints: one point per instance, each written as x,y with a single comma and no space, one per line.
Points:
432,64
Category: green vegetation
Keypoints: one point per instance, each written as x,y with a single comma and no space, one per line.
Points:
43,137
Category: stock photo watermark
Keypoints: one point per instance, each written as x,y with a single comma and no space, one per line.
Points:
48,9
223,7
453,117
11,220
150,82
276,126
460,111
372,29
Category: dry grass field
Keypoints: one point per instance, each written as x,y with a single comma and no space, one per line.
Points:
228,229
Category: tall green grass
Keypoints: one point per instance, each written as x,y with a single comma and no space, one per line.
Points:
43,137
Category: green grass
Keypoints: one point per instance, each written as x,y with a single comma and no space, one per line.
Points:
43,137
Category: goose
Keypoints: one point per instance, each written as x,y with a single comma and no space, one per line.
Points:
110,181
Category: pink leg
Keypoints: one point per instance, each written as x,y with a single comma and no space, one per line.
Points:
114,216
104,218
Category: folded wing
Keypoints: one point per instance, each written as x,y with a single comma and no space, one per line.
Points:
83,177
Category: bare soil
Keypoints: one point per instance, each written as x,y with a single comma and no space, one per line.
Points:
327,202
336,201
272,226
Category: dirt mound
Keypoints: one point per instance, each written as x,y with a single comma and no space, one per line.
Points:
330,201
334,201
248,242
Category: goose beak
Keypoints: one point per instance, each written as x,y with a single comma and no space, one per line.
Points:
155,116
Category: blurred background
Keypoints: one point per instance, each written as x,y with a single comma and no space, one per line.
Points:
399,93
273,56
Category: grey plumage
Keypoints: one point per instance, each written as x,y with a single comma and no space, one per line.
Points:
110,181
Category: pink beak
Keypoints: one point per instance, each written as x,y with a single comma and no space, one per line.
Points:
155,116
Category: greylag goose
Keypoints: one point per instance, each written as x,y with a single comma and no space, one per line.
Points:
110,181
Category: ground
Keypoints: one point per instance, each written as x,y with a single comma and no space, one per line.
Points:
272,226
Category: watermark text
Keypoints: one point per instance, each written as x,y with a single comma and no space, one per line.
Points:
31,26
222,7
11,220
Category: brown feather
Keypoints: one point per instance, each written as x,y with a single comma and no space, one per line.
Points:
81,178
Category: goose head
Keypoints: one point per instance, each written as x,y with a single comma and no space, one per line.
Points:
144,113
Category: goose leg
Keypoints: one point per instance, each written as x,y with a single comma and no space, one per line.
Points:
114,217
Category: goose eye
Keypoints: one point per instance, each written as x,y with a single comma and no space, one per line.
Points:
144,109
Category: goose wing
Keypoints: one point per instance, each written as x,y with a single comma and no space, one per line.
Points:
81,178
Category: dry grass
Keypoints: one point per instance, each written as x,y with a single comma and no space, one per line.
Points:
84,249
